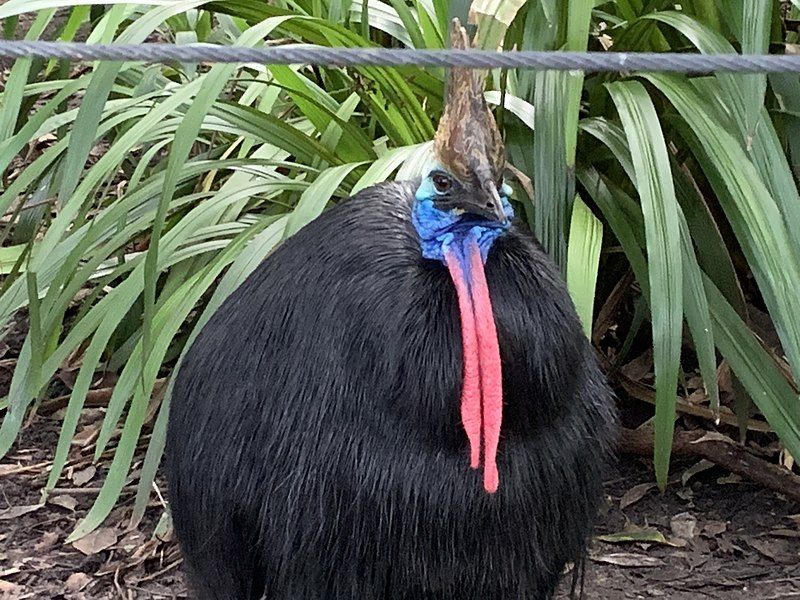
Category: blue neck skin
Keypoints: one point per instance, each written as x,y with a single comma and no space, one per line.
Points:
441,231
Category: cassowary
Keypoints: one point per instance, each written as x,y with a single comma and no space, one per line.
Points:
399,403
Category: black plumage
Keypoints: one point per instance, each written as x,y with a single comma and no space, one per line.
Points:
315,448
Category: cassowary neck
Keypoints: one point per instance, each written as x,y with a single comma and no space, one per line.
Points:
440,231
462,242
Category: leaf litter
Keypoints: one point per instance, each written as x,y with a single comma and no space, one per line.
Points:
729,541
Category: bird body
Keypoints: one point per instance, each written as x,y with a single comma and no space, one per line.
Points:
319,433
398,404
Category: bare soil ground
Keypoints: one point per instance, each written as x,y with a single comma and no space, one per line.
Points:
113,562
715,537
722,538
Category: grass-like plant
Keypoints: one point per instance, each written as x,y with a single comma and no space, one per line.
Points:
148,193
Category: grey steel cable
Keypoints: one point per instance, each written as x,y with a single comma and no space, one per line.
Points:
387,57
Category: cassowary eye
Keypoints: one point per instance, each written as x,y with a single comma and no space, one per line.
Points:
442,182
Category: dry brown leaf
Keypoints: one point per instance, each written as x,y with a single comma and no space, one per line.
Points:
694,382
786,533
606,41
64,501
97,541
624,559
772,549
17,511
49,539
714,528
47,137
84,476
684,526
165,531
727,547
786,459
677,542
724,382
6,587
86,435
733,478
132,540
696,398
698,467
640,367
635,494
68,376
141,554
77,581
10,572
714,436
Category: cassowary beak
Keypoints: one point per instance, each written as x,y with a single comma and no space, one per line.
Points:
493,203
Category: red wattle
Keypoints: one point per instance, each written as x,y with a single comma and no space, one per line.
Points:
482,390
490,369
471,388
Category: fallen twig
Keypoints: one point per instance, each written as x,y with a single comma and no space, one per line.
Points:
646,393
727,454
94,399
26,469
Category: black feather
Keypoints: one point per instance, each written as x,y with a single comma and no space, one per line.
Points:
315,448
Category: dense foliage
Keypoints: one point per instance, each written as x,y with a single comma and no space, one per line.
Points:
138,197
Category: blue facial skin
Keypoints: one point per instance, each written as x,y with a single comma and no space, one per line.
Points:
440,231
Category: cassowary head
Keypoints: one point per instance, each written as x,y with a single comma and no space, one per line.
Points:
461,207
467,176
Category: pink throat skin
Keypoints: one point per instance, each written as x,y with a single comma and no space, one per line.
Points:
482,391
